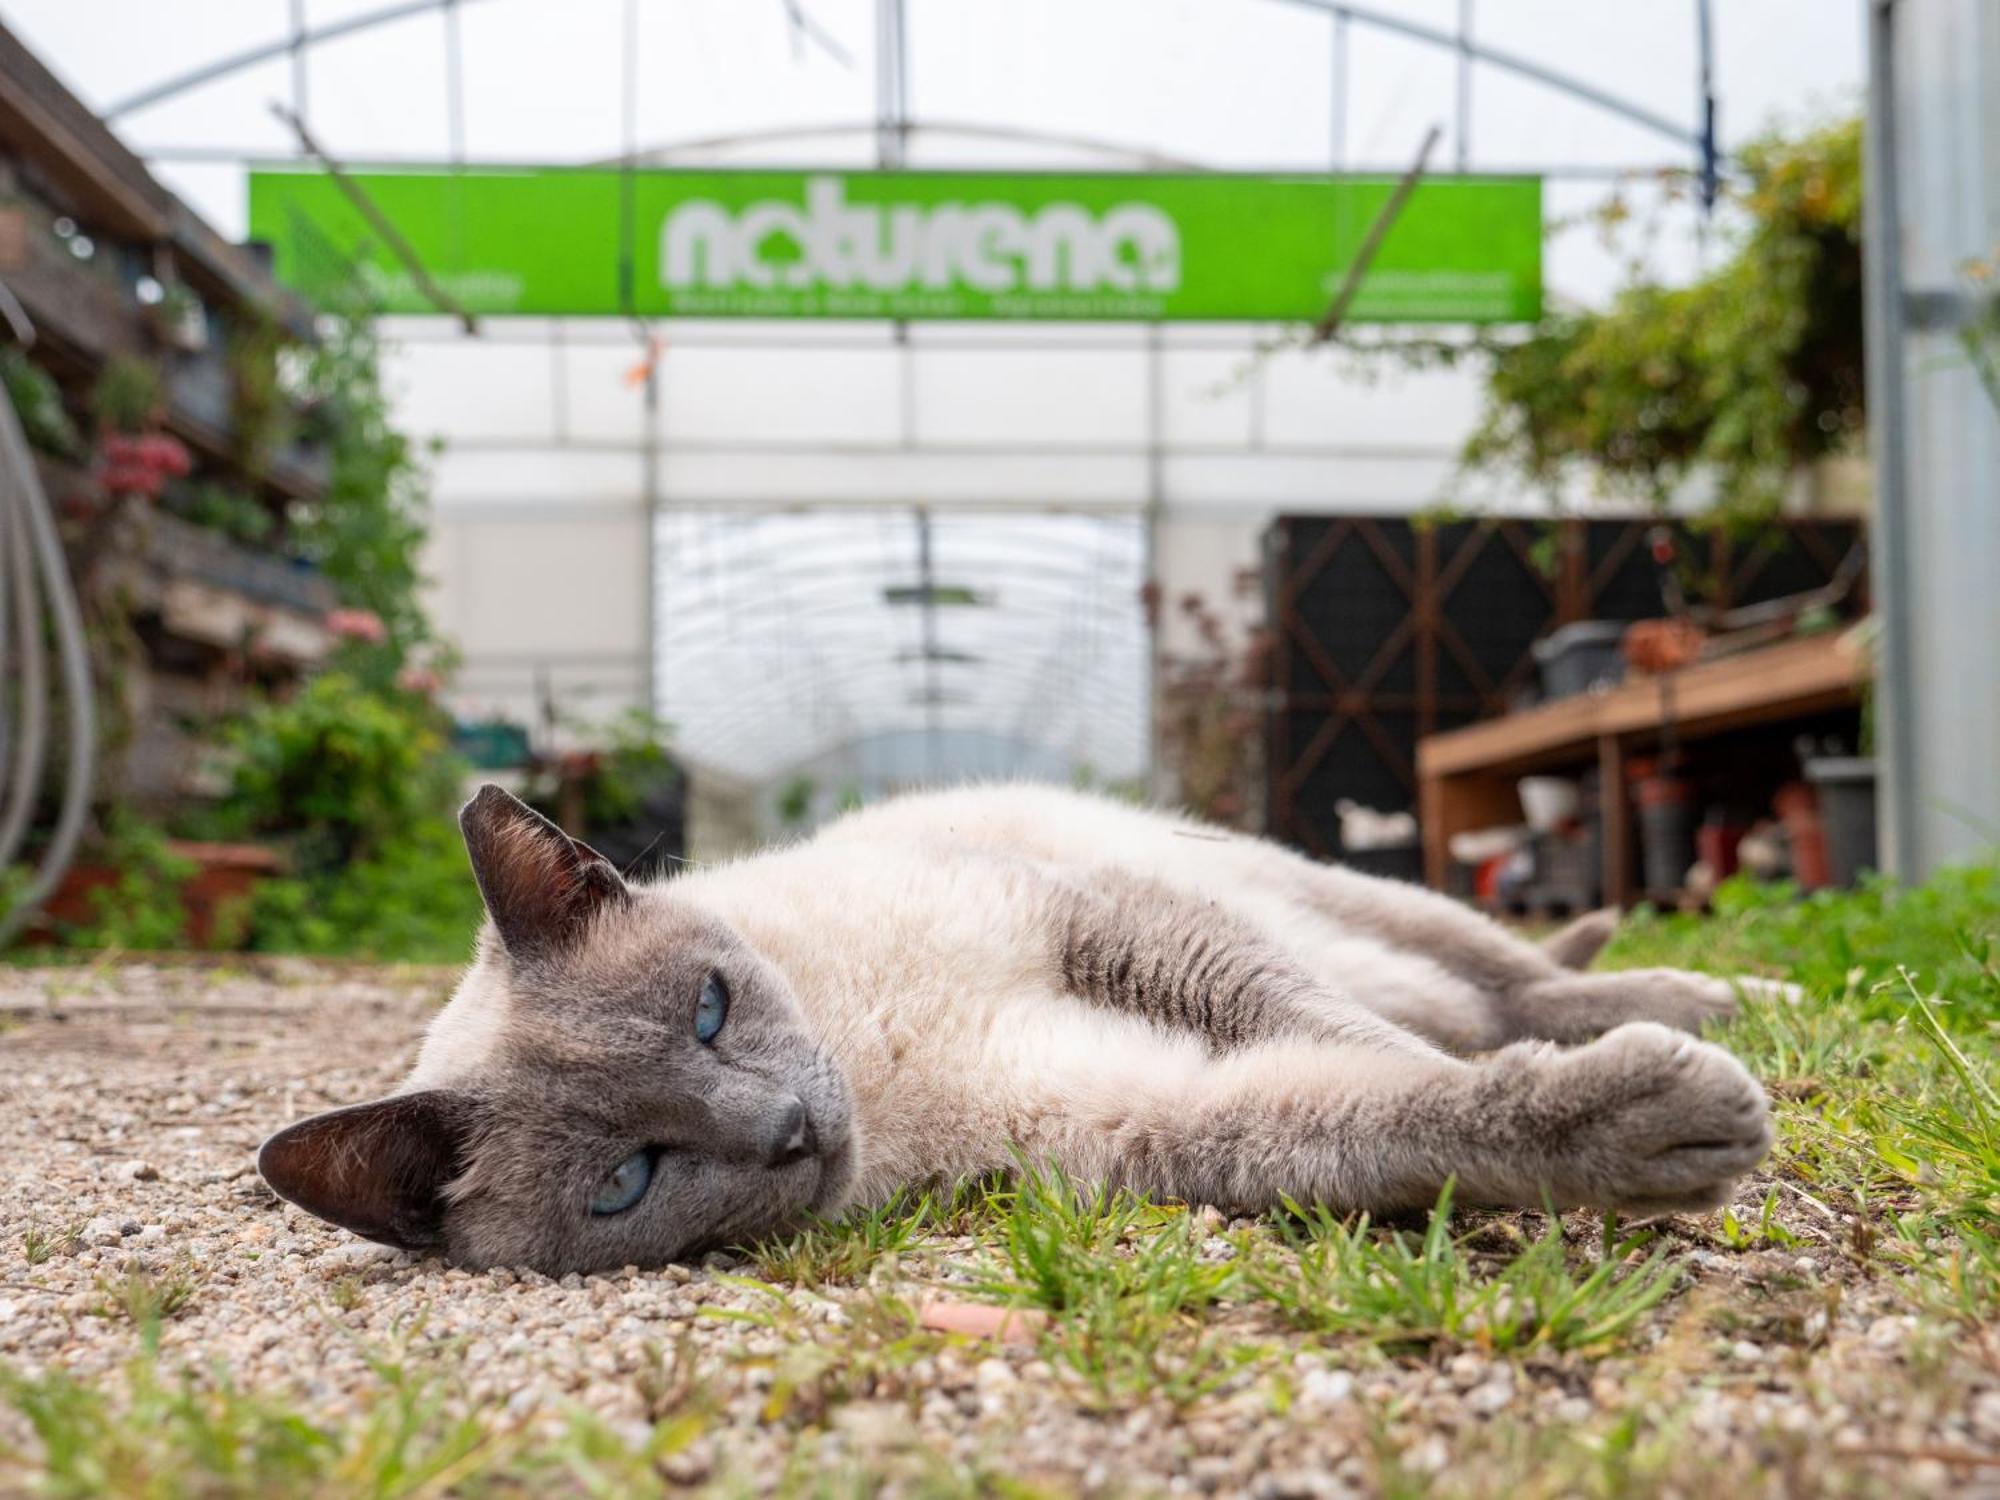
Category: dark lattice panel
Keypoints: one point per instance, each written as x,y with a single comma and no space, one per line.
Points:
1388,631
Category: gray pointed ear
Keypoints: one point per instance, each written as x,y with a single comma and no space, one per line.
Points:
378,1169
541,886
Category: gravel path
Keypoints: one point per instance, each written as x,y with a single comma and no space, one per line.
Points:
133,1097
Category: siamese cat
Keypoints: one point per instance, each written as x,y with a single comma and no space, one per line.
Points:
632,1073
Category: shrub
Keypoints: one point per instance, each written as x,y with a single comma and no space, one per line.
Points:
339,771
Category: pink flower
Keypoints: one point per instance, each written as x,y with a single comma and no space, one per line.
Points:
356,625
422,680
141,465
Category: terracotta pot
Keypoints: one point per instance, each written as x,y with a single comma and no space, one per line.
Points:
224,874
1798,810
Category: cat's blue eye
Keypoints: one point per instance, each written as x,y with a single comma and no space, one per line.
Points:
626,1184
712,1009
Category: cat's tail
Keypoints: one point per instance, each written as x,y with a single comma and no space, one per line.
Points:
1575,945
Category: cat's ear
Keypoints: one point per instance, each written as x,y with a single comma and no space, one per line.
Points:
378,1169
541,886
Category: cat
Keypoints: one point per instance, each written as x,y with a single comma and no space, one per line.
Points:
941,985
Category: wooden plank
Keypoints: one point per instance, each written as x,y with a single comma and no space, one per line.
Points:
1614,813
1797,677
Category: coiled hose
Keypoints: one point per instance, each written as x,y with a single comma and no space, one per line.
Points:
34,578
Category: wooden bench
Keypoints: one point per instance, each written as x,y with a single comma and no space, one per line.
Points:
1466,777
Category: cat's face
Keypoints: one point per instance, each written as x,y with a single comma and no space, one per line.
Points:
647,1090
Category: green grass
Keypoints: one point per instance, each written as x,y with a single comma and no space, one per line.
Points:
1885,1074
146,1298
1126,1282
1405,1291
842,1252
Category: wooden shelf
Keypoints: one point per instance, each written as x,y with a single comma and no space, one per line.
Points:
1466,777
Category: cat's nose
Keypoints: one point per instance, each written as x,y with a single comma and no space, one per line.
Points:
791,1135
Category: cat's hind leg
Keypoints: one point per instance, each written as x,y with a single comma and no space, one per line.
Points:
1576,944
1644,1120
1532,990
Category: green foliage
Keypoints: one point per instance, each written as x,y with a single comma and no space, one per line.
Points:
142,908
38,402
1744,374
128,394
412,901
632,763
261,409
795,800
1838,943
147,1298
1741,376
367,531
223,509
339,771
361,788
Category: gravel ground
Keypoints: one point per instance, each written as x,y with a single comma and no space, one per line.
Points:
135,1095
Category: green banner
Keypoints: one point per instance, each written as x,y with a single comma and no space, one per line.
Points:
756,244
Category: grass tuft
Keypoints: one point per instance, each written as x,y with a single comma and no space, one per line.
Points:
1409,1292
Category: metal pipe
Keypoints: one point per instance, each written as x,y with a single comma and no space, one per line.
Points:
24,777
33,533
250,57
1888,418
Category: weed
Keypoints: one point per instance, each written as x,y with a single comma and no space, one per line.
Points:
1767,1231
38,1244
1126,1280
843,1251
1402,1291
147,1298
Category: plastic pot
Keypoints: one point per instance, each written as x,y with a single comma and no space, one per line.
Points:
1845,786
1666,832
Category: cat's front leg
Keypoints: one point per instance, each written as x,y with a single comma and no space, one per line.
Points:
1644,1120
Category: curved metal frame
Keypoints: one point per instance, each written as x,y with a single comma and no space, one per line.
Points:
1494,57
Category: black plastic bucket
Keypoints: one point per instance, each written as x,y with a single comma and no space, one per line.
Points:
1845,785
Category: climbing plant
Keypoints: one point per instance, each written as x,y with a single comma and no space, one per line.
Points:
366,532
1740,376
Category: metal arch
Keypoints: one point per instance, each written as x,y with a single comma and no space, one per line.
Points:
1507,62
250,57
1156,161
1364,15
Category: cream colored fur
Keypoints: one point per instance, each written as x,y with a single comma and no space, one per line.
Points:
915,936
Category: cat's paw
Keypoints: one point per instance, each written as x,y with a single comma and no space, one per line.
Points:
1660,1122
1577,1007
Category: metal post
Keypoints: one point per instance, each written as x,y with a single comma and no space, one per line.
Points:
454,85
649,562
1895,706
1462,122
927,641
1156,501
1339,90
299,55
